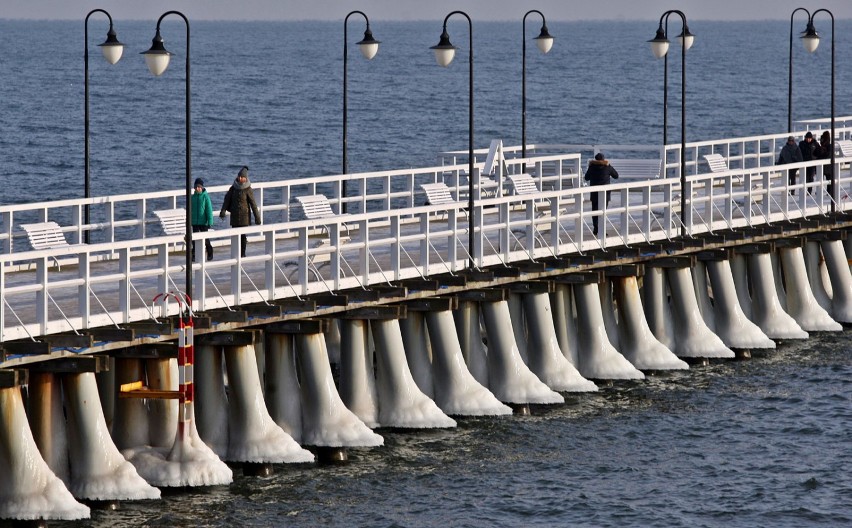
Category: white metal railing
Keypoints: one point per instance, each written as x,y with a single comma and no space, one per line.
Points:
113,282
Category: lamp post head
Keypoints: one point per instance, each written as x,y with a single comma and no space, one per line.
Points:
660,44
444,50
686,38
810,38
112,48
157,57
544,40
368,46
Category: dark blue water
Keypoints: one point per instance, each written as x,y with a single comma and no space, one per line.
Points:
756,443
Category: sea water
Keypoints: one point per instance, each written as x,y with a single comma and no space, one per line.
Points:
763,442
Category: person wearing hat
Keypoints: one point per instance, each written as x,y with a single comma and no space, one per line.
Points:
202,215
239,201
790,153
824,151
599,173
808,148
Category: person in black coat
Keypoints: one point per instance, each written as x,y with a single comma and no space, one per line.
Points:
808,148
823,151
599,173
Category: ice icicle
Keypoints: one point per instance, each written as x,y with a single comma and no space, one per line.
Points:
469,330
28,490
657,310
638,344
598,358
211,402
357,378
418,351
253,436
732,325
766,310
401,403
98,471
801,304
841,280
326,422
692,337
456,391
283,398
544,356
511,381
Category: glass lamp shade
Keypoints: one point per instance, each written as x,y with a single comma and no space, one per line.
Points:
544,40
112,52
686,38
660,44
369,46
157,62
112,48
157,58
810,40
444,51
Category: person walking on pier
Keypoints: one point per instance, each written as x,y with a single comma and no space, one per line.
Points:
599,173
202,215
808,148
239,201
790,153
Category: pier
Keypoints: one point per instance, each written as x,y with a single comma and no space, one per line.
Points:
390,309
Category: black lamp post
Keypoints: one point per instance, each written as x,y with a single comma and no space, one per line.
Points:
369,47
811,40
660,47
790,69
544,42
686,39
444,54
112,50
157,59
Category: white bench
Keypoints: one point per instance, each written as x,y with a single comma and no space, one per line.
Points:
437,194
637,169
845,147
524,184
317,207
173,221
45,235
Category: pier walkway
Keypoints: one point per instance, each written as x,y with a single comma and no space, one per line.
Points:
379,310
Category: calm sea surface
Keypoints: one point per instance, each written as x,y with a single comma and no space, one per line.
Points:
764,442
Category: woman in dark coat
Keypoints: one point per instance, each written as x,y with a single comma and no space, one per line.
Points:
239,201
823,151
599,173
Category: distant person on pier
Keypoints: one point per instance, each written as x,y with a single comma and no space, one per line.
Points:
599,173
202,215
790,153
808,147
823,151
239,201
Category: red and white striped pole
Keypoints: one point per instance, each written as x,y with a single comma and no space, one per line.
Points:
186,358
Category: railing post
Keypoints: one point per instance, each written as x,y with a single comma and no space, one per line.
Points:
41,295
396,232
124,284
84,304
270,248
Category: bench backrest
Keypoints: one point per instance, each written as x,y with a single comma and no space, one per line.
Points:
637,168
173,221
716,162
437,193
523,184
45,235
315,206
845,146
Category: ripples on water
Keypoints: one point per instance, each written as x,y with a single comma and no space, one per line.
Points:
763,442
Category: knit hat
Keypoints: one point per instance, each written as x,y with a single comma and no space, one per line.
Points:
599,156
198,181
809,135
243,172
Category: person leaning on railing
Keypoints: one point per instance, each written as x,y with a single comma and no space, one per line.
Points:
790,153
599,173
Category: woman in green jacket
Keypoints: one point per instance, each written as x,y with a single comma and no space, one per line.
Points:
202,215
